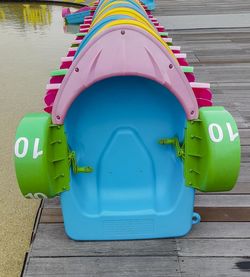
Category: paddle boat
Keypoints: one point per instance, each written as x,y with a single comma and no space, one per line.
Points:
75,17
78,16
127,134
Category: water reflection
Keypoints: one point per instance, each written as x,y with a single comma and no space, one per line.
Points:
32,42
26,14
2,14
37,15
71,28
28,52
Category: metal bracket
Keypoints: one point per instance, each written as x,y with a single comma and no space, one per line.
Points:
75,167
180,149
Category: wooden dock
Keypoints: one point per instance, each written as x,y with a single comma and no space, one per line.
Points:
220,244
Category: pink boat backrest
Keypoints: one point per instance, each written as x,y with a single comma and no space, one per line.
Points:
86,8
65,12
123,51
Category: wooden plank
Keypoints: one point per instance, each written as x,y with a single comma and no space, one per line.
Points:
225,201
213,53
104,267
219,58
51,215
239,188
194,7
202,200
216,230
223,32
205,21
208,214
223,207
232,87
202,46
52,203
213,247
220,230
245,153
219,266
224,214
213,41
51,240
130,266
222,73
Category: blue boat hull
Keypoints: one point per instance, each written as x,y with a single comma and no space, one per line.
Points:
137,189
76,18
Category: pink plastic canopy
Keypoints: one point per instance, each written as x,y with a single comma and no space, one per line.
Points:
123,51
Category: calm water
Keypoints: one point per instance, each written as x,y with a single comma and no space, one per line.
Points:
32,41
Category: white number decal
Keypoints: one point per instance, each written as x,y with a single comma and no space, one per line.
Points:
218,135
37,195
25,147
232,136
37,153
23,153
211,132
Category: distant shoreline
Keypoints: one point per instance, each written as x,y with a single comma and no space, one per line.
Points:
61,2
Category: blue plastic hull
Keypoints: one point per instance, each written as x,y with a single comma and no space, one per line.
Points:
76,18
137,189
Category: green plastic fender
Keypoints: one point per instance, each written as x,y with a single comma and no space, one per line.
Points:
212,151
41,157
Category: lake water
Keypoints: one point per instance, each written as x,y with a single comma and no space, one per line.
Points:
32,41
